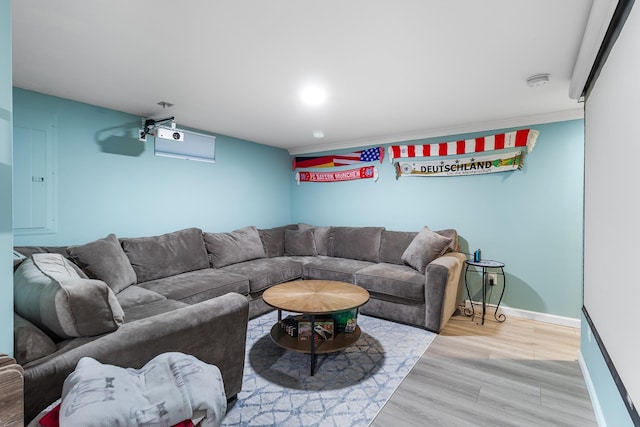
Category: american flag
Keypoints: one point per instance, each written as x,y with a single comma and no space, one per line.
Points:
367,155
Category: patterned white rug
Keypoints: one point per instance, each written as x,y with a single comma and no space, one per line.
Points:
348,389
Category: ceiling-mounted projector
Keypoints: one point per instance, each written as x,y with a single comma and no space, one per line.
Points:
172,134
160,132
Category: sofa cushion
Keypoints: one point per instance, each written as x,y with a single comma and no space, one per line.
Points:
166,255
135,295
399,281
237,246
273,240
49,293
361,243
104,259
327,268
195,286
322,237
154,308
424,248
30,343
393,244
299,243
266,272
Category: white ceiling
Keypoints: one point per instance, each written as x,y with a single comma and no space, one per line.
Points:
392,70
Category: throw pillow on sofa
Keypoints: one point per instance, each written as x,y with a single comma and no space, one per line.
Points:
104,259
394,243
49,293
424,248
273,240
234,247
321,235
299,243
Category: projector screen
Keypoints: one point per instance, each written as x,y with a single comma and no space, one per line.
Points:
196,146
612,208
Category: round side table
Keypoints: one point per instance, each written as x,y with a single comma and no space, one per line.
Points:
485,265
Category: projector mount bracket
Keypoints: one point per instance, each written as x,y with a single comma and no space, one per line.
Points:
151,124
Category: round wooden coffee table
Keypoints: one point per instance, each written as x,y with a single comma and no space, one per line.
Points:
315,297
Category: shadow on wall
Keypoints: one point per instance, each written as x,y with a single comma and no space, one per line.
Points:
463,246
122,140
524,291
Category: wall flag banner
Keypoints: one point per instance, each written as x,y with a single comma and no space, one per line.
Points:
520,138
333,160
345,175
495,162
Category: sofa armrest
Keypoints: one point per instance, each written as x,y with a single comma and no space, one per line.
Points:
443,285
213,331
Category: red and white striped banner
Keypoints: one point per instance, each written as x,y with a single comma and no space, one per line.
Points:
344,175
520,138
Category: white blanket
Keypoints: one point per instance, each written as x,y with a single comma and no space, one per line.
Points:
171,388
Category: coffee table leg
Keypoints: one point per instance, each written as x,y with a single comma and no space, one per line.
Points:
313,344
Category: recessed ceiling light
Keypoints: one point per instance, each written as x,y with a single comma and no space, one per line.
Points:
538,80
318,134
313,95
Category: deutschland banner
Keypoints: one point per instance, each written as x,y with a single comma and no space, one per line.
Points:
344,175
496,162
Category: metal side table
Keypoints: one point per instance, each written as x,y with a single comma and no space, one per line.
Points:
486,265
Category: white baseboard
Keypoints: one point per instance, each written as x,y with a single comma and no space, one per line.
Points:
592,392
526,314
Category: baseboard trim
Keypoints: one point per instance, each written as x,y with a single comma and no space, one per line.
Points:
531,315
597,409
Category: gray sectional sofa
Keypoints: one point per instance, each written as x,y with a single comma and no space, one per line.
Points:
127,300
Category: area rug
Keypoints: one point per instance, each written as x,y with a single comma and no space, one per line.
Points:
348,389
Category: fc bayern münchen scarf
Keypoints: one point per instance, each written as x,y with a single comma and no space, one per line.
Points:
344,175
521,138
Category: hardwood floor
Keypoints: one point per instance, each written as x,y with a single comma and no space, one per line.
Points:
516,373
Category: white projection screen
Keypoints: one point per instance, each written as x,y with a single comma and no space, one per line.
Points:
196,146
612,206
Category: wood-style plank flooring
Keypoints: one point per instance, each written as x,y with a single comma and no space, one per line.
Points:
516,373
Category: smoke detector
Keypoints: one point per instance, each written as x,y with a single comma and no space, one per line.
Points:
538,80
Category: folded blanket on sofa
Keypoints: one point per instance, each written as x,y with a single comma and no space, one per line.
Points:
170,388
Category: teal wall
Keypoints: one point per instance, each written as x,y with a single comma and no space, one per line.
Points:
529,219
6,234
109,182
613,411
